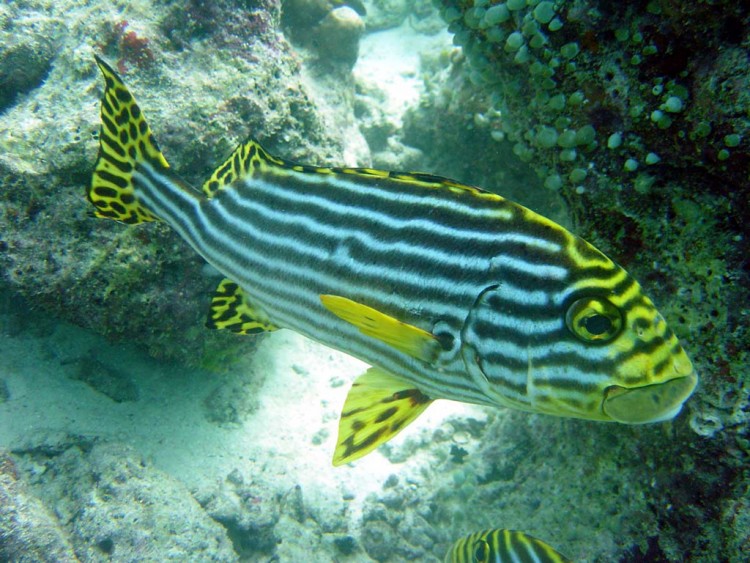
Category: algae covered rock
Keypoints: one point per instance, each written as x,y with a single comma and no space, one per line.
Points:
27,48
29,531
637,117
331,29
138,284
338,35
115,505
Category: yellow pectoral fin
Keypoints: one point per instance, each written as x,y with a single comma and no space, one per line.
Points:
377,408
406,338
231,310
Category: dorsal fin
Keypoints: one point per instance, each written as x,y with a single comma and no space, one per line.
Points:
251,157
246,159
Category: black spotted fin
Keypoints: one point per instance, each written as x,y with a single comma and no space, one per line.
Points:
125,141
246,159
406,338
377,408
231,310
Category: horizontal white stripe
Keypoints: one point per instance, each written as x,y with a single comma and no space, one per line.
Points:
403,197
371,213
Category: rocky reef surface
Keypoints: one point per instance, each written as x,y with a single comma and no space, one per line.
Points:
637,114
208,76
628,122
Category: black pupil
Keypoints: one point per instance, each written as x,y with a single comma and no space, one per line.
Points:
597,324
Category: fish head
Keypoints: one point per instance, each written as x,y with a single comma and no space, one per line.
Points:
652,375
586,351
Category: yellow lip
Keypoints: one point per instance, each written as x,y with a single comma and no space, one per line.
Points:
651,403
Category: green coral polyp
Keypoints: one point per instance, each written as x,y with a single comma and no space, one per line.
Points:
585,135
567,139
544,12
732,140
496,14
514,41
546,137
673,104
570,50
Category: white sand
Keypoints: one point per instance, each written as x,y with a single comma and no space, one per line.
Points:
167,424
389,59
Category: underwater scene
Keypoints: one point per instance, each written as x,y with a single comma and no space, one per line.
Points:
374,281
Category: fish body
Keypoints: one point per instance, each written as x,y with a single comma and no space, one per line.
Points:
502,546
448,291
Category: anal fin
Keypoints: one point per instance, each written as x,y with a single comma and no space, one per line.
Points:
377,408
231,310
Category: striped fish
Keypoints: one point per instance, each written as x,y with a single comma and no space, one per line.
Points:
502,546
446,290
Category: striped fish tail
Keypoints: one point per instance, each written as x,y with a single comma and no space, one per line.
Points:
125,143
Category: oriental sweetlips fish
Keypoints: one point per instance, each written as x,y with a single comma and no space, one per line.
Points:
448,291
502,546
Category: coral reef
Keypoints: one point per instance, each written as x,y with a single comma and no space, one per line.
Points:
609,106
28,530
420,14
338,35
207,75
25,58
114,505
331,29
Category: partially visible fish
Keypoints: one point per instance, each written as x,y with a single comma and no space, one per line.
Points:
448,291
502,546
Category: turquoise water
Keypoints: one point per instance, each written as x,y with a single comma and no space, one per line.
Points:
130,432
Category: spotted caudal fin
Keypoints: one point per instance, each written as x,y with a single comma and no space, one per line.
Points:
125,141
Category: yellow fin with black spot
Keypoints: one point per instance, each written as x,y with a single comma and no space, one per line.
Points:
231,310
125,140
246,159
406,338
377,408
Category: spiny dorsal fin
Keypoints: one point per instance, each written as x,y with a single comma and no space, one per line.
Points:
377,408
231,310
251,157
420,179
125,140
246,159
406,338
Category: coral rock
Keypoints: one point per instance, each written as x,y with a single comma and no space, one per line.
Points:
338,34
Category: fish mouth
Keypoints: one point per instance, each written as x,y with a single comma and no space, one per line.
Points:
650,403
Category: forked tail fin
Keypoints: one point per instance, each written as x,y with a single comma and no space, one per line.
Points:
125,140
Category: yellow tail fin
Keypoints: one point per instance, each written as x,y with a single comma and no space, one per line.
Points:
125,140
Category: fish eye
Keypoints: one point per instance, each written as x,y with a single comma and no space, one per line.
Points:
594,319
481,551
